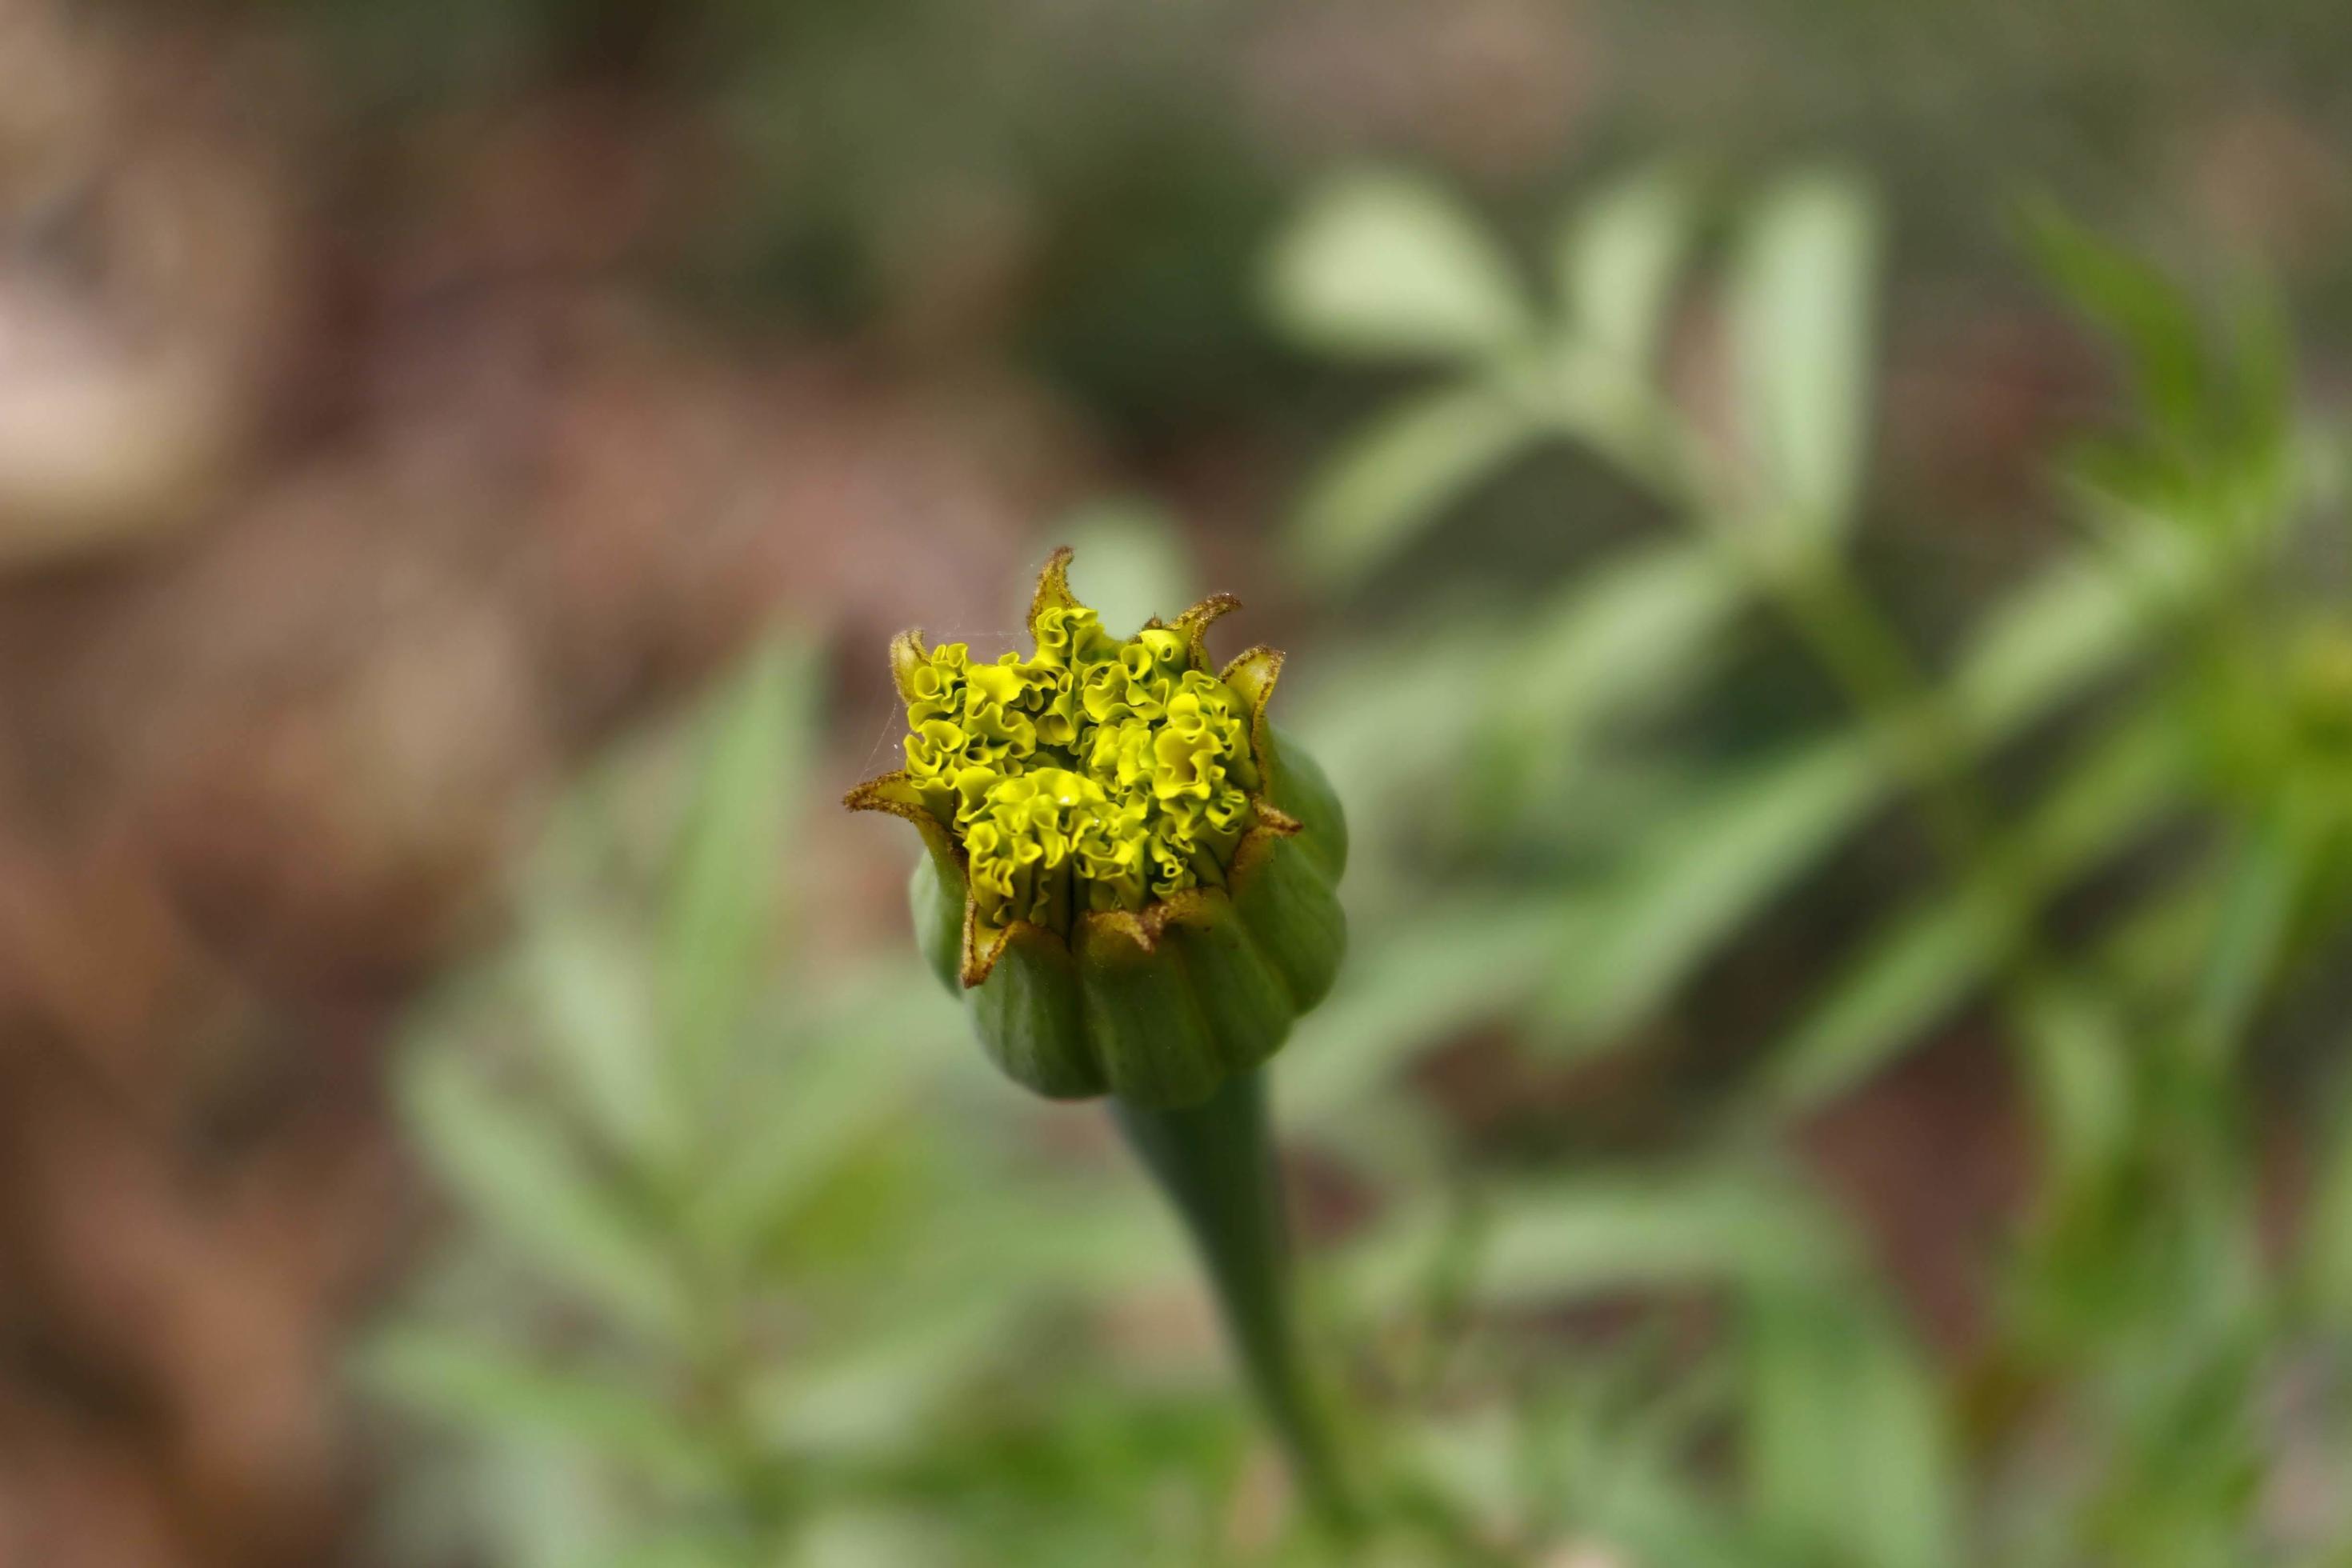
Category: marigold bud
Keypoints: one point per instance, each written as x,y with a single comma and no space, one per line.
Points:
1131,874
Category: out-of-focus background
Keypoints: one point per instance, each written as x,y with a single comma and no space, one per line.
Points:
1811,538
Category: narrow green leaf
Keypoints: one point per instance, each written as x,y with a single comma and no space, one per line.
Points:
1568,677
716,1547
1395,480
721,913
839,1092
516,1174
1386,265
858,1532
2155,947
2139,306
497,1393
1671,601
887,1387
2267,876
539,1504
1430,978
2078,1059
993,1257
1036,1243
1473,1458
588,988
1616,259
2324,1267
1715,863
1800,306
1661,1519
1847,1457
1347,718
1575,1237
1910,978
1617,1469
2078,622
1931,959
1705,872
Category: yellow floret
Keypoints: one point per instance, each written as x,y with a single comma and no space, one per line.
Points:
1097,774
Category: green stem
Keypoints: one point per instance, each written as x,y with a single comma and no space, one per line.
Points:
1933,751
1215,1162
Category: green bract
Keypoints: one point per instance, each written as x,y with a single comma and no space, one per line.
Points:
1131,874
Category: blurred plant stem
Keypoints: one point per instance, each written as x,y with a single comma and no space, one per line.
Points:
1851,640
1931,750
1814,589
1215,1162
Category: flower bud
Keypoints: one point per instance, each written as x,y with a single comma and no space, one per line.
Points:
1132,875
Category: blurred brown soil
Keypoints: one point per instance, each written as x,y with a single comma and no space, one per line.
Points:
341,541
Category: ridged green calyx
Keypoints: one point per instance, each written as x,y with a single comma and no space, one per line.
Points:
1131,874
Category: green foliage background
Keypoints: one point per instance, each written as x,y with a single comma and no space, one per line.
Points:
759,1264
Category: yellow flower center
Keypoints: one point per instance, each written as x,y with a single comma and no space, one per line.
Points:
1097,774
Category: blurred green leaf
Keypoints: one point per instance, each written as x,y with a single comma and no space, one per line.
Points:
1549,1242
1132,562
1708,869
460,1380
1654,1519
2078,1061
2079,621
1928,961
914,1280
2153,952
863,1536
2266,876
1451,967
683,1549
2259,417
542,1504
974,1272
1472,1459
1629,1477
885,1389
1703,873
1397,479
822,1099
718,927
1567,677
1345,708
1910,977
2139,306
588,988
1616,259
1847,1459
1042,1241
2323,1265
1386,265
1670,601
513,1168
1800,305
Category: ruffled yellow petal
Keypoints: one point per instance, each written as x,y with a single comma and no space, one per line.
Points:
1095,775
